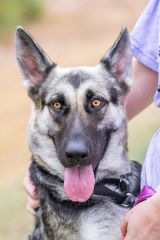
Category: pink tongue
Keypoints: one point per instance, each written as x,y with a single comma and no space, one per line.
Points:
79,183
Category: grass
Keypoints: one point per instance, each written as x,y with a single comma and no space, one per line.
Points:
17,12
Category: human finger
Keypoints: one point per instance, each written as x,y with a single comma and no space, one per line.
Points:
33,203
30,209
29,187
124,226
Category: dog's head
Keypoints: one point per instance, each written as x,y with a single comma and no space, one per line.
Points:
76,110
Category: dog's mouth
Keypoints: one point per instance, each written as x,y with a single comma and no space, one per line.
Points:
79,174
79,183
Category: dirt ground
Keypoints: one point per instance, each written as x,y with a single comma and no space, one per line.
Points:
72,33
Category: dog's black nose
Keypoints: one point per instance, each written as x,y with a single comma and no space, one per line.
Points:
76,153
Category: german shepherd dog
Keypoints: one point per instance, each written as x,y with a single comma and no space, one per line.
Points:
78,142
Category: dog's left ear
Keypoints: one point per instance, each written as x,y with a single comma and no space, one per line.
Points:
118,60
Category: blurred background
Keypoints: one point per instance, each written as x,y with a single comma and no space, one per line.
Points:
73,33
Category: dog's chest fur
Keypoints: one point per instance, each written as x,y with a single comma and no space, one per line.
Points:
87,224
56,226
90,224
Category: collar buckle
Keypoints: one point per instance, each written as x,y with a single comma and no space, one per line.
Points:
129,201
129,197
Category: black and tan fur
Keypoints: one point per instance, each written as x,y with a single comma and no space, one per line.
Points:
101,132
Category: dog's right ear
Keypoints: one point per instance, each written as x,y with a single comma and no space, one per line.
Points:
34,63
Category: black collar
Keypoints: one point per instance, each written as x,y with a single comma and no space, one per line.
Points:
118,189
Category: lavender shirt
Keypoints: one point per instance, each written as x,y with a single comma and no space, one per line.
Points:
145,45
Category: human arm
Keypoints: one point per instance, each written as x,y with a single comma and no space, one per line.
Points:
144,40
143,89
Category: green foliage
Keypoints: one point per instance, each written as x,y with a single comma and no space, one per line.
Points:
17,12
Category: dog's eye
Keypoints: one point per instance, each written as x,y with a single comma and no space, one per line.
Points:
96,103
56,105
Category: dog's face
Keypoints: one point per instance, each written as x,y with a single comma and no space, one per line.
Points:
75,109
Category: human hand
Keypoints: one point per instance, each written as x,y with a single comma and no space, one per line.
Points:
32,197
142,222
